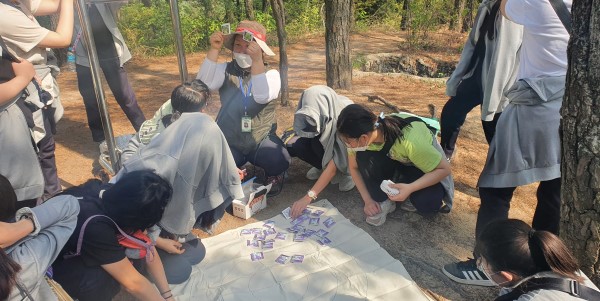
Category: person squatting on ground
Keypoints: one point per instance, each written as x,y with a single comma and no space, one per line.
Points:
247,90
18,151
94,265
400,148
112,55
189,97
530,265
487,68
313,139
526,146
25,38
193,156
30,240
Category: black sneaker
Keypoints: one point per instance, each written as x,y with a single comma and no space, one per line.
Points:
466,272
277,186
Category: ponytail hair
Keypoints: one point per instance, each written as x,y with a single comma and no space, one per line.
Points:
8,274
513,246
189,97
356,120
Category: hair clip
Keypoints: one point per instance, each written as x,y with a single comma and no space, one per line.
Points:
379,118
531,233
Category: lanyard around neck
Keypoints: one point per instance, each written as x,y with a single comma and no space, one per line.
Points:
245,93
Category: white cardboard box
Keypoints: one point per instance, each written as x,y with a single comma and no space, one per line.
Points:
255,199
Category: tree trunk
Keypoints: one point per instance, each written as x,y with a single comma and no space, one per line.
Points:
337,44
147,3
249,9
469,17
580,212
279,16
405,22
229,11
265,6
208,7
456,23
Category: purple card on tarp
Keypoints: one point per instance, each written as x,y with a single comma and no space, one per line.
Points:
282,259
297,259
257,256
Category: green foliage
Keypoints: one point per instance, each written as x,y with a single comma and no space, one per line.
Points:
148,30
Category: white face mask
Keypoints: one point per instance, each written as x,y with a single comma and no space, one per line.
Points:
359,148
243,60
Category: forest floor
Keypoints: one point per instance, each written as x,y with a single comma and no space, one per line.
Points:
422,243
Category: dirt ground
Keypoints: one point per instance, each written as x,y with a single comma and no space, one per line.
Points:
422,243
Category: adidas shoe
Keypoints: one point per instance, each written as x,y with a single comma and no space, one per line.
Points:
466,272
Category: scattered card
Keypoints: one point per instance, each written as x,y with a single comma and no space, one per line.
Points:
309,232
256,230
329,222
314,221
318,213
261,236
324,241
257,256
268,244
321,233
271,231
306,211
252,243
269,224
280,236
246,232
297,259
282,259
299,237
287,213
299,220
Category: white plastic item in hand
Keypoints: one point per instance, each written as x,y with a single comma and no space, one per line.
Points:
385,186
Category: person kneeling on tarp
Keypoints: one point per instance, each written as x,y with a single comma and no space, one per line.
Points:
313,139
193,155
401,148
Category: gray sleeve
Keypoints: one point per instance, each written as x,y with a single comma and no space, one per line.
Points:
132,147
54,221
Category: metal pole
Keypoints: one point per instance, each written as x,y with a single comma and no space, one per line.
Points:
84,20
178,40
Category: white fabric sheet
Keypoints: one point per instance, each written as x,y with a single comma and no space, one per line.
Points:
352,267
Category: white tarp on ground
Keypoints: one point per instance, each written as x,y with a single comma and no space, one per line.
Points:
352,267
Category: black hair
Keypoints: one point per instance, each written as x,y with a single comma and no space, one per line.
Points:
8,200
8,274
356,120
189,97
135,202
513,246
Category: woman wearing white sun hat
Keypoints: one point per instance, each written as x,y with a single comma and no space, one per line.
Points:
247,90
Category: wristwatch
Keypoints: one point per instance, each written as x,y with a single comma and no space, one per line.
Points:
312,195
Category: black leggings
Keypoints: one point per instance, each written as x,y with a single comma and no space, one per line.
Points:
270,155
495,204
309,150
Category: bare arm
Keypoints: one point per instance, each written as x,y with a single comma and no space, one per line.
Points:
64,30
428,179
157,272
24,73
133,282
321,183
503,8
10,233
47,7
371,207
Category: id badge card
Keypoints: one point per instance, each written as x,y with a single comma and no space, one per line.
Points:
246,124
